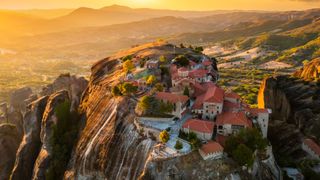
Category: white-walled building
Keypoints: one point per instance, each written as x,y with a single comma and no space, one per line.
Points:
262,117
179,102
209,100
211,150
203,129
312,148
229,123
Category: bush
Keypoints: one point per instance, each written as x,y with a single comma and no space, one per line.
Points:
126,58
128,66
63,138
128,88
151,79
115,91
164,136
158,87
181,60
178,145
163,60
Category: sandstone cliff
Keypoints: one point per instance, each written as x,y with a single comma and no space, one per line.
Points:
295,105
31,119
310,71
9,143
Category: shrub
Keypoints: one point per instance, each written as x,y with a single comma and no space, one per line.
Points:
151,79
128,88
126,58
116,91
178,145
181,60
128,66
163,60
159,87
164,136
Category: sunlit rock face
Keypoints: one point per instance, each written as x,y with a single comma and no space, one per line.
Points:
72,84
9,143
295,105
30,145
33,154
109,145
310,71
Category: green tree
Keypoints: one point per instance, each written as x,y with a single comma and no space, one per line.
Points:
182,60
243,155
151,79
186,91
145,104
116,91
165,107
126,58
182,46
164,70
164,136
128,66
163,60
178,145
159,87
128,88
198,49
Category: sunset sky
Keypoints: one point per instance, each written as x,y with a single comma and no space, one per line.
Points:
167,4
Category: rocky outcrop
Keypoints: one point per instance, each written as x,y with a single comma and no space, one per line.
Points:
49,119
18,97
72,84
310,71
30,145
9,143
33,155
190,166
295,106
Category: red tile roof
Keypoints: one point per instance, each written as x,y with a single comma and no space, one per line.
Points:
256,111
233,118
173,98
232,95
199,125
211,147
207,63
229,106
212,94
312,145
198,73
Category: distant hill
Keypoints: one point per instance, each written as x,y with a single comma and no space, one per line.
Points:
46,13
115,14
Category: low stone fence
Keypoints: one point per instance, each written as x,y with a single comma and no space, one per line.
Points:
156,119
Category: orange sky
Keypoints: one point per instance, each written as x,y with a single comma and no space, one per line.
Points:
167,4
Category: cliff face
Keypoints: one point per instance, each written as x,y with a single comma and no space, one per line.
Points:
31,119
9,143
295,105
310,71
109,145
